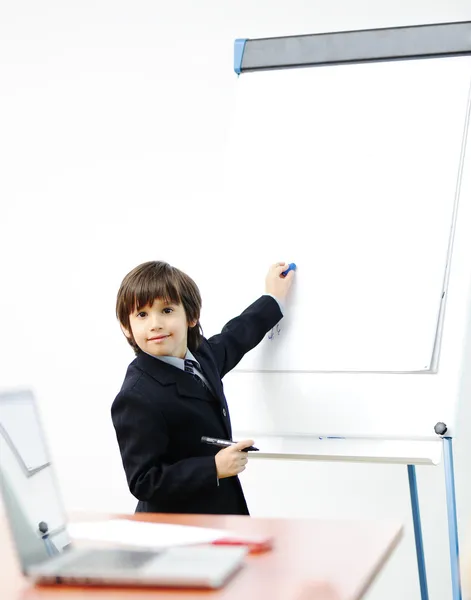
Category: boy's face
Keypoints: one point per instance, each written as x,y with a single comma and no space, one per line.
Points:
160,329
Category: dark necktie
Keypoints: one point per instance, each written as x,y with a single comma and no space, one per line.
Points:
191,368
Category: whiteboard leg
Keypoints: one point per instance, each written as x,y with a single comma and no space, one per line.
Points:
419,545
452,520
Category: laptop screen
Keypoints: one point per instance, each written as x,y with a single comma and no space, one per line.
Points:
31,497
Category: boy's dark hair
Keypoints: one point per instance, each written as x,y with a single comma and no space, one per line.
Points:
156,279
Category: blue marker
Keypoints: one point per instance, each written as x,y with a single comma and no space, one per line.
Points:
332,437
291,267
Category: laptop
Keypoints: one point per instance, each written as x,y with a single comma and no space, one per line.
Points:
38,525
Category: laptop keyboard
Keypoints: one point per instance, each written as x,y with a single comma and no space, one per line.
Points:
101,559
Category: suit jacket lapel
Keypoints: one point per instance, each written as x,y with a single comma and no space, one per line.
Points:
211,375
187,387
169,375
214,380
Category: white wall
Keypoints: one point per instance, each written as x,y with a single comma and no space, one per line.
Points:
86,88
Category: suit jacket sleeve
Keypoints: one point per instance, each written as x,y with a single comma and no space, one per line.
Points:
143,439
244,332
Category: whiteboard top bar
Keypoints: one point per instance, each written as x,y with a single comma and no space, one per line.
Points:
368,45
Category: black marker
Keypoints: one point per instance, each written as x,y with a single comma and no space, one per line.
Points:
224,443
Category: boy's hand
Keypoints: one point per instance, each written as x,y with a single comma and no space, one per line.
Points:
231,461
275,284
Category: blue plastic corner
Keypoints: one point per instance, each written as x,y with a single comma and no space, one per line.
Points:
239,47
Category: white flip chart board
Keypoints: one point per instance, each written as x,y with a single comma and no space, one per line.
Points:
357,173
351,172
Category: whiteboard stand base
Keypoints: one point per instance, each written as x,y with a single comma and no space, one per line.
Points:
452,519
419,545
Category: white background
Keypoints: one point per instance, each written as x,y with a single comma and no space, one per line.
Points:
113,121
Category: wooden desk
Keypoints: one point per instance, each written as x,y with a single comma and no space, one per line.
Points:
312,560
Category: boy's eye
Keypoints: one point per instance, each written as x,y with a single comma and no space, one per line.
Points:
168,310
141,314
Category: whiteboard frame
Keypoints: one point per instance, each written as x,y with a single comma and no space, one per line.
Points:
367,45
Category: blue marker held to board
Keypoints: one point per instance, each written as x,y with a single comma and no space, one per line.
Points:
291,267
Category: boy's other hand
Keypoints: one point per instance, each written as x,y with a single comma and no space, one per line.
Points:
231,461
275,283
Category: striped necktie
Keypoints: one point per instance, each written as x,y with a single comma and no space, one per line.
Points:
191,367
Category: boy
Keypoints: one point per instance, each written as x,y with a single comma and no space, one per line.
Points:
172,394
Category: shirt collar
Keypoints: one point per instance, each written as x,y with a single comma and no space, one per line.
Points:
177,362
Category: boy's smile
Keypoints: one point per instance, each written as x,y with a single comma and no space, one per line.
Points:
160,329
158,338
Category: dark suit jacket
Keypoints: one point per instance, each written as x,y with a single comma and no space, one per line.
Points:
161,413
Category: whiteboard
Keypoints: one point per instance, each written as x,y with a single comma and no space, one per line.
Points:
351,172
